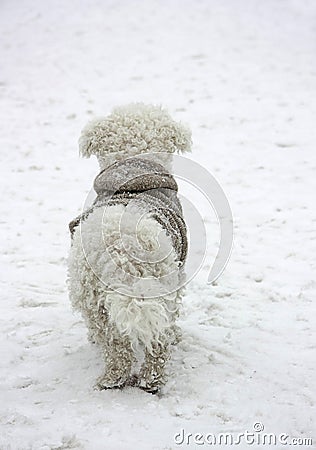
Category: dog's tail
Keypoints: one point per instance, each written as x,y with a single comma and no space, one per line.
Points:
132,130
144,321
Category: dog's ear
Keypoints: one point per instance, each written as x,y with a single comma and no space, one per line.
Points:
181,137
90,137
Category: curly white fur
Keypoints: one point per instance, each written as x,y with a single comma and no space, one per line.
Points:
131,130
99,259
143,321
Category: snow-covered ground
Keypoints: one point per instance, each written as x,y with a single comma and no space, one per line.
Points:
242,74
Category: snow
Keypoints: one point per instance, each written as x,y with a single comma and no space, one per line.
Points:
242,74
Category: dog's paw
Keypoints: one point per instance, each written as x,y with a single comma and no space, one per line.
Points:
103,387
103,383
154,390
151,388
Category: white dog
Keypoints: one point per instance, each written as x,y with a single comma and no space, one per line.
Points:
126,264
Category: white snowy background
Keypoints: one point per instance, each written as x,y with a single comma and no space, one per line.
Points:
242,74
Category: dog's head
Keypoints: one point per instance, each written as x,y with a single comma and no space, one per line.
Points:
132,130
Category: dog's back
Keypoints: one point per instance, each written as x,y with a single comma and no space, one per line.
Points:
132,242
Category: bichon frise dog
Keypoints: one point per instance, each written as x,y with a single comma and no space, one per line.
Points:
128,249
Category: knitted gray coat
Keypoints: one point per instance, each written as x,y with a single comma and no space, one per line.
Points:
151,187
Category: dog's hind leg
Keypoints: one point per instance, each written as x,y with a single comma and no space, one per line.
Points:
152,374
119,357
